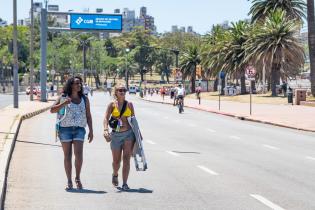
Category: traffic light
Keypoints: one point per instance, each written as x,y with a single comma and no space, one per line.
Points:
198,70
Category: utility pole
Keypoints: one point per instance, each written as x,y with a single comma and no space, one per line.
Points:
43,49
31,52
15,57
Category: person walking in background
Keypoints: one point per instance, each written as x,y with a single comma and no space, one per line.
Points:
86,89
76,109
121,138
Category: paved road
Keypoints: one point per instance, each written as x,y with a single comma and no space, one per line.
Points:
7,99
197,160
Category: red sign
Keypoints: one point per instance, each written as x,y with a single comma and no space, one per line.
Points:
250,71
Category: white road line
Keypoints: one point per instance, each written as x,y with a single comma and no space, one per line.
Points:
271,147
150,142
208,170
172,153
211,130
266,202
310,158
235,137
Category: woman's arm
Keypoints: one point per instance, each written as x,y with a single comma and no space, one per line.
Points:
107,115
89,118
57,105
132,109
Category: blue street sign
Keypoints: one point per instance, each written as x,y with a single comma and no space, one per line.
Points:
96,22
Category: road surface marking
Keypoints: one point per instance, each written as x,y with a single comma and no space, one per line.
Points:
176,121
172,153
208,170
271,147
310,158
211,130
235,137
166,118
150,142
266,202
192,125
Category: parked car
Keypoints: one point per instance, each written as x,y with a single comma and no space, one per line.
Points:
132,89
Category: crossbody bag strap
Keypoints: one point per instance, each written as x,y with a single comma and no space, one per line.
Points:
123,108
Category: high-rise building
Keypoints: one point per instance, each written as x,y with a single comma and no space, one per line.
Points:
143,12
174,28
117,11
182,29
190,29
53,8
225,24
21,22
3,23
99,10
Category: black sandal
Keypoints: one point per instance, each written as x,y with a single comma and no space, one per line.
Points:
115,180
125,187
78,183
69,186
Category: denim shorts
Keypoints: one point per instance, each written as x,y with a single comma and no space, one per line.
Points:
69,134
118,138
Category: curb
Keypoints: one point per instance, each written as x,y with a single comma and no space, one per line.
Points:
237,117
8,148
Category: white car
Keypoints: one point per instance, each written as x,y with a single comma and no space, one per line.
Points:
132,89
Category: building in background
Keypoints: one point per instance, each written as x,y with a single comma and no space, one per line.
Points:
174,29
3,23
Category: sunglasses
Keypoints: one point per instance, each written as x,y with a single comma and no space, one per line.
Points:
122,90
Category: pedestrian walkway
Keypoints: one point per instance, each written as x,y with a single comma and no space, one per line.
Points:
296,117
10,119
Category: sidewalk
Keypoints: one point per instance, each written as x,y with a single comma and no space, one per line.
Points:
10,121
295,117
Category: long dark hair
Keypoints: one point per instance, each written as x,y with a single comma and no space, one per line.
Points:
67,89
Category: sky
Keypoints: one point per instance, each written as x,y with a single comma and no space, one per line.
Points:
201,14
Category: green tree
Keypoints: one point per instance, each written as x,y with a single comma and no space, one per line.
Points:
274,41
189,61
295,9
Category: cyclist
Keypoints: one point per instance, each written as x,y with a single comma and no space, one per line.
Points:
180,94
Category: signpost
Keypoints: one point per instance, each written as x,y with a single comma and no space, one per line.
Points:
90,22
250,72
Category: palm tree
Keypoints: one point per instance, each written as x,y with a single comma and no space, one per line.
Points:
274,42
188,65
311,41
295,9
83,45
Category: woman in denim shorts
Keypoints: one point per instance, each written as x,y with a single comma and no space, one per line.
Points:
72,126
122,137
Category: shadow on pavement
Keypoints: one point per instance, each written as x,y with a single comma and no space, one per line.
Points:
140,190
182,152
87,191
32,142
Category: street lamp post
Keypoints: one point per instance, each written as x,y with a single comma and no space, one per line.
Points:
31,52
15,57
126,72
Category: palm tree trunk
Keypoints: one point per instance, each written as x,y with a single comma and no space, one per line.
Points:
275,72
193,80
215,85
84,63
243,84
311,41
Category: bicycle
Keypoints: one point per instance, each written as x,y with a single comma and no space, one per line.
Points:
180,104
